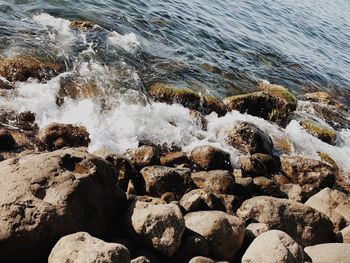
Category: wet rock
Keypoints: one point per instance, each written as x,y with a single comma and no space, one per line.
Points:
322,132
320,96
56,136
26,120
174,158
311,175
334,204
304,224
248,138
81,247
345,235
259,165
199,119
326,253
224,233
162,179
21,68
56,194
5,85
273,246
273,103
217,181
282,145
7,142
210,158
160,226
143,156
82,25
336,118
211,104
201,200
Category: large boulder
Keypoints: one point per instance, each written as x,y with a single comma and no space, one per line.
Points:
217,181
304,224
327,253
46,196
334,204
273,102
249,139
57,136
273,246
208,157
224,233
159,226
311,175
21,68
81,247
161,179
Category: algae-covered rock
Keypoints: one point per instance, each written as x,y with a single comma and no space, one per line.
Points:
20,68
272,102
320,96
82,25
322,132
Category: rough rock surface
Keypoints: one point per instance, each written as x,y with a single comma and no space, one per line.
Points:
46,196
210,158
160,226
259,165
320,131
217,181
81,248
345,235
334,204
174,158
224,233
327,253
273,246
143,156
304,224
162,179
201,200
57,136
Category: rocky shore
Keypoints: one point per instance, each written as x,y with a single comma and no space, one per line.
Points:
158,203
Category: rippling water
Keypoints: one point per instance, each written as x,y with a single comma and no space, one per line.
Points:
221,48
302,44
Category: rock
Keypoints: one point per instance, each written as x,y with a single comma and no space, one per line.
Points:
311,175
294,192
265,186
81,247
191,246
160,226
320,96
248,138
274,103
336,118
334,204
201,200
322,132
199,119
162,179
143,156
20,68
7,142
210,158
345,235
55,194
201,260
57,136
254,230
259,164
141,259
230,202
326,253
273,246
211,104
224,233
82,25
243,187
26,121
217,181
5,85
304,224
174,158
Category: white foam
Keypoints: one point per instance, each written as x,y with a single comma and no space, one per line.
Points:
128,42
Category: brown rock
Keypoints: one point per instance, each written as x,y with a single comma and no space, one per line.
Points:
5,85
217,181
266,186
55,194
304,224
174,158
143,156
259,165
320,131
82,25
210,158
345,235
56,136
248,138
320,96
201,200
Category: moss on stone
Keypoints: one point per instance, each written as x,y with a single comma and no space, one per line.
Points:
320,131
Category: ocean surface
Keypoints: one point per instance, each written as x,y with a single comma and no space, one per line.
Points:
215,47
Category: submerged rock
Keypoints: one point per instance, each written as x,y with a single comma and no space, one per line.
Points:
248,138
55,194
224,233
82,25
160,226
273,103
81,247
207,157
273,246
304,224
20,68
56,136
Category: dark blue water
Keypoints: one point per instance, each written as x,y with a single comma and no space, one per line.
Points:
303,44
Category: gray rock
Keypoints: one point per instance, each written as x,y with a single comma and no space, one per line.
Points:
327,253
